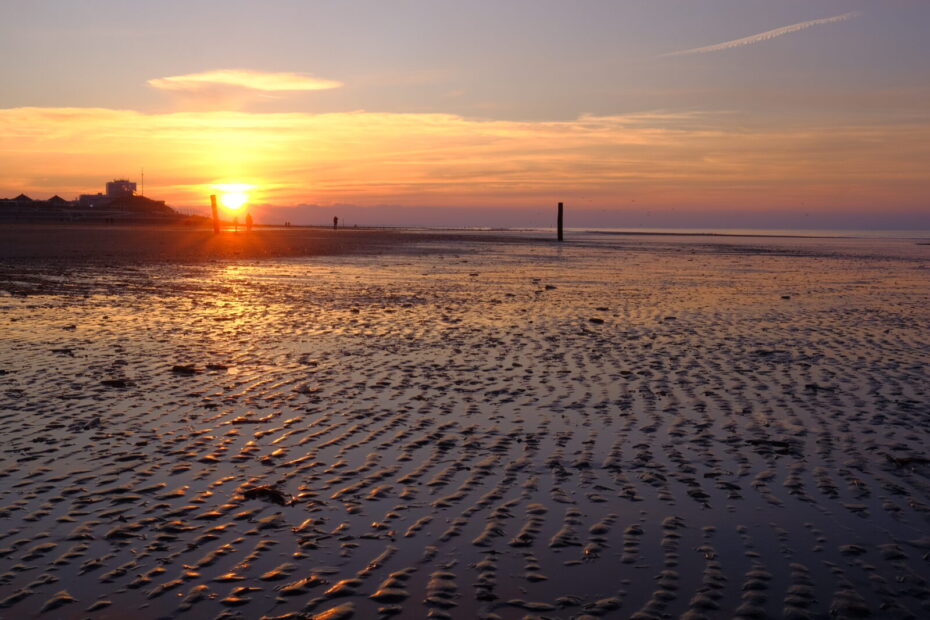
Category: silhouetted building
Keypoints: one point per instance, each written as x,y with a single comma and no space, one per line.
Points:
139,204
92,200
120,188
119,203
117,189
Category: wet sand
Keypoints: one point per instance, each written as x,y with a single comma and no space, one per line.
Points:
645,428
109,244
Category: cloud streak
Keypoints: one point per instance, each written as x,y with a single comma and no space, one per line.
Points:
242,78
763,36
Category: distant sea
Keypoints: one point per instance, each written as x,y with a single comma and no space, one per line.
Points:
751,232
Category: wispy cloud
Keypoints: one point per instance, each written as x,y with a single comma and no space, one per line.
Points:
243,78
763,36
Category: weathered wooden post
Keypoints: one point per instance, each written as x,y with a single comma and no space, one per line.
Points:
560,222
216,215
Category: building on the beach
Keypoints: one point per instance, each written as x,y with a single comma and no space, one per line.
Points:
115,190
21,201
120,201
120,188
88,201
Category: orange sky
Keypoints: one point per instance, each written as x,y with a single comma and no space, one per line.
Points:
429,159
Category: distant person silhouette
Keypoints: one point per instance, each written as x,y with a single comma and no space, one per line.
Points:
248,222
335,223
236,223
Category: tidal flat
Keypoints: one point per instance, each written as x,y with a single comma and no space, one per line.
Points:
616,427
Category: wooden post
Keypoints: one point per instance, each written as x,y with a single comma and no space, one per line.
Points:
216,216
560,222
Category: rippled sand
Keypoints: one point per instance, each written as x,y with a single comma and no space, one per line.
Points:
614,427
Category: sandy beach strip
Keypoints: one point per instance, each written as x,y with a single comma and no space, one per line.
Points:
123,243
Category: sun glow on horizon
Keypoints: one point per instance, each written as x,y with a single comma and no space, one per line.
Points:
672,163
234,200
233,195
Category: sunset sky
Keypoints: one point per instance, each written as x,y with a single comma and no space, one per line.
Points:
751,113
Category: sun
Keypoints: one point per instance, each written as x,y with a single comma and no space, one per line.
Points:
233,196
233,200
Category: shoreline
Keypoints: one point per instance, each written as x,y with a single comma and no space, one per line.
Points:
711,234
88,244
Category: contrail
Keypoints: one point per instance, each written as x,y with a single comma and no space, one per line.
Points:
763,36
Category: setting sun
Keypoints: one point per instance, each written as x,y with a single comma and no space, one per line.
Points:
234,200
233,195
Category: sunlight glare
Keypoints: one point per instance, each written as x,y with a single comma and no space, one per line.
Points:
234,200
233,195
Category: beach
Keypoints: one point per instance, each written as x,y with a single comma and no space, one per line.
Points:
335,424
101,244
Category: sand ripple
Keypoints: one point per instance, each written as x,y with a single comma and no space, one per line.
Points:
646,431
